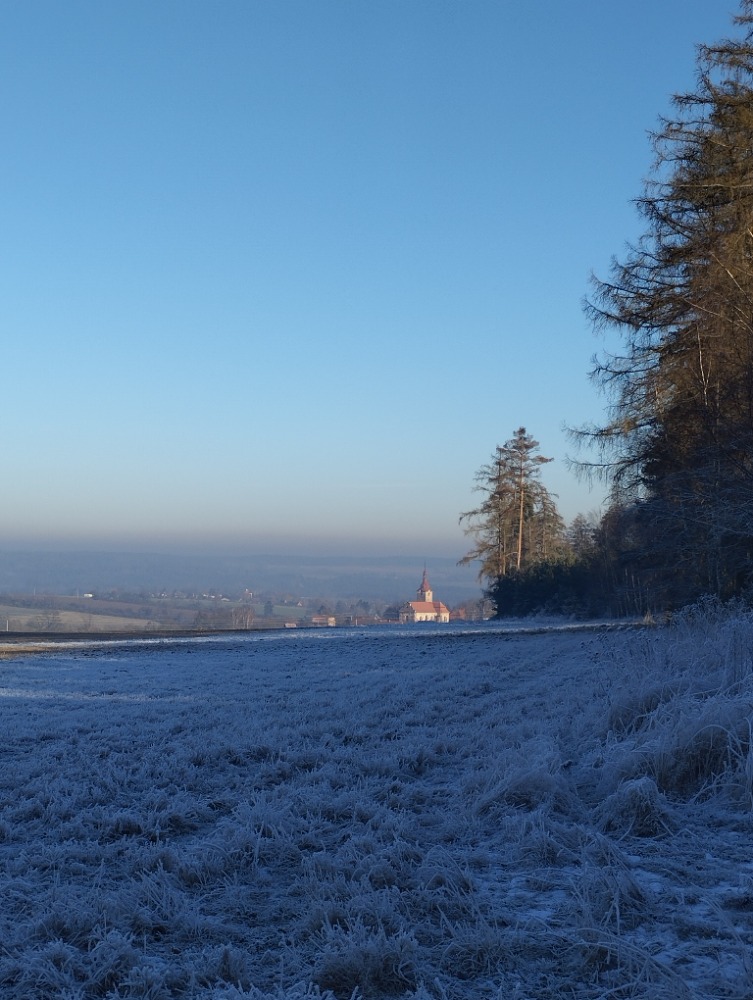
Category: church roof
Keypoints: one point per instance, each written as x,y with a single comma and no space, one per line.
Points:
427,606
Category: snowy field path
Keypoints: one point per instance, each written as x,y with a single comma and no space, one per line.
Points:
389,813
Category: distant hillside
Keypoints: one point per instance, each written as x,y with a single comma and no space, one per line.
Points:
387,579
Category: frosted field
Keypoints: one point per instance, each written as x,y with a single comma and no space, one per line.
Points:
436,813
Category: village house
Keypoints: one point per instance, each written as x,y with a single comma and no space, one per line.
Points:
425,608
328,620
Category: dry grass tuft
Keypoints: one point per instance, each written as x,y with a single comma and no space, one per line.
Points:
355,960
637,808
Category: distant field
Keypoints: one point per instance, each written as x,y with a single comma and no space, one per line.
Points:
30,619
67,613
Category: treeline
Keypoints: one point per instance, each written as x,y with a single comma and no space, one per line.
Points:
529,560
676,447
597,572
608,565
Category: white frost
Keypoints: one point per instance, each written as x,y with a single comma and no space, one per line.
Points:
439,812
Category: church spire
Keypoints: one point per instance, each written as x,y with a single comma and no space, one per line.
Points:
424,592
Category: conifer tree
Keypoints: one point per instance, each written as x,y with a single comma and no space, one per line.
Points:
516,523
677,444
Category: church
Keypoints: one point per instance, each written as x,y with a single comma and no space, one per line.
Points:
425,608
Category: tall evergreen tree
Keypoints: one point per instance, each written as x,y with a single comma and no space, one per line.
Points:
678,441
516,523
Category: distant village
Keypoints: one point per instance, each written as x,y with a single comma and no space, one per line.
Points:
118,611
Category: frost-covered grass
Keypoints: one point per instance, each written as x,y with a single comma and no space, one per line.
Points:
398,813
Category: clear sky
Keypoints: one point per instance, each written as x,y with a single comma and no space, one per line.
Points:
281,274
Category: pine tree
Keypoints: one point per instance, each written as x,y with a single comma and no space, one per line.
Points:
517,523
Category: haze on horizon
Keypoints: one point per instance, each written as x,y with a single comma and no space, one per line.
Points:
281,276
195,543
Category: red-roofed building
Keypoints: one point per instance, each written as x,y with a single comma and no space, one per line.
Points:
425,608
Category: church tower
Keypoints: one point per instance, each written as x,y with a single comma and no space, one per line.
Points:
425,609
424,592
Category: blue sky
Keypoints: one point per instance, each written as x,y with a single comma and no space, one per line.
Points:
280,275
